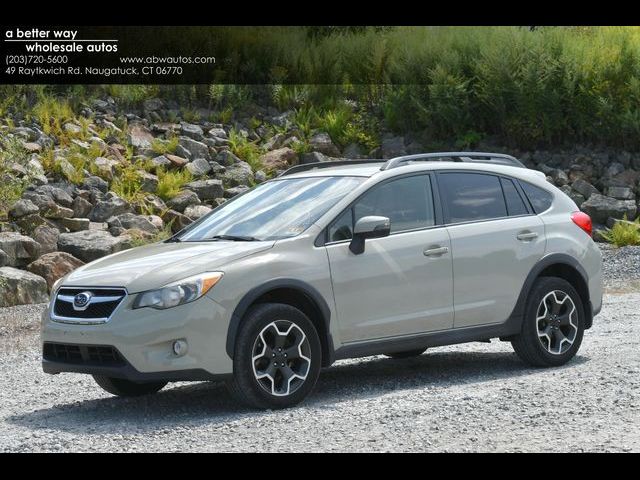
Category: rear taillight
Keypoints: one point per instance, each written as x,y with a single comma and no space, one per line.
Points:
583,220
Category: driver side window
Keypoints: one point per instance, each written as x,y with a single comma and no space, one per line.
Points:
407,202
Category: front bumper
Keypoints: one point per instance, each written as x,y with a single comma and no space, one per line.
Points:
144,339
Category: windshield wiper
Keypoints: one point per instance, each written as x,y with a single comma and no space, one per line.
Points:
234,238
173,240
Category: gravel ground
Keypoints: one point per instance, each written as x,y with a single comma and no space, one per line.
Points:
472,397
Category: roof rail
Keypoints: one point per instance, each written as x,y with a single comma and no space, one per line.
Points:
327,164
478,157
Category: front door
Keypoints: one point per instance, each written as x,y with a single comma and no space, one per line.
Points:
401,284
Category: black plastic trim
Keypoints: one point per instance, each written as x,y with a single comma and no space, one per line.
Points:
277,283
128,372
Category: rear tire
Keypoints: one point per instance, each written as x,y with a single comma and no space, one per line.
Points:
553,324
277,357
126,388
406,354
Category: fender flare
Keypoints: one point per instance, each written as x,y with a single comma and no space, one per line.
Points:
252,295
544,262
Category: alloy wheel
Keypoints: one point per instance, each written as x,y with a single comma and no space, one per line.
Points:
557,322
281,358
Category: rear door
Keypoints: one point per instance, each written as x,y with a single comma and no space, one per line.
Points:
495,239
402,284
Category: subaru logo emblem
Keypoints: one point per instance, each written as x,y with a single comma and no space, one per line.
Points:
82,300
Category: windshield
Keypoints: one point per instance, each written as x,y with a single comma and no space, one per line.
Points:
273,210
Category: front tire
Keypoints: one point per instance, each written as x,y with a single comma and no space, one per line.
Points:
553,324
277,357
126,388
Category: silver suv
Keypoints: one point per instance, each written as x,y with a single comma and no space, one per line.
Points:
336,260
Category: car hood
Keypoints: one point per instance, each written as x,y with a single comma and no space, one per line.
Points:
156,265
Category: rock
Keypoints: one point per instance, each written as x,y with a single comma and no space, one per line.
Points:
237,174
260,176
226,158
110,207
600,208
56,211
183,200
393,147
206,189
132,221
559,177
353,150
148,181
81,207
196,149
95,183
621,193
4,258
20,249
176,219
218,132
314,157
321,142
279,159
153,105
106,167
614,168
72,128
192,131
155,203
194,212
18,287
47,237
90,245
58,195
233,191
29,223
66,168
75,224
584,188
176,160
140,137
161,161
53,266
32,147
23,207
199,167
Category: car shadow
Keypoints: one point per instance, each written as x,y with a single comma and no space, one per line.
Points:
209,403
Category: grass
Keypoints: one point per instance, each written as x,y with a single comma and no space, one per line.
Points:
623,233
245,149
52,113
170,182
162,147
139,239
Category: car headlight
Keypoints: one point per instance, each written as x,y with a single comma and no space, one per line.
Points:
178,293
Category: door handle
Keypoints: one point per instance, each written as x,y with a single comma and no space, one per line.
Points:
435,251
526,236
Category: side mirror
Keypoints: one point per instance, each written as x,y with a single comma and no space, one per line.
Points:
368,227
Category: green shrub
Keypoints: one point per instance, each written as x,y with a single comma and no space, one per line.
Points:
170,182
245,149
52,113
161,146
623,233
132,94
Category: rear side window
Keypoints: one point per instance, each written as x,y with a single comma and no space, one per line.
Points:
515,204
471,196
540,199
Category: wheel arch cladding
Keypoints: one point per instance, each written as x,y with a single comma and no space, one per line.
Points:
561,266
292,292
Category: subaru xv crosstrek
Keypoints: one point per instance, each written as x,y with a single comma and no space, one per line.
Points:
336,260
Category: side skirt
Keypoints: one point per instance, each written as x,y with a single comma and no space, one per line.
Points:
433,339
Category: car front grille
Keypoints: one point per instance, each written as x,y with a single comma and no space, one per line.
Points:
101,304
102,355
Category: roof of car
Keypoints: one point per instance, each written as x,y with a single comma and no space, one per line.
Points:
368,169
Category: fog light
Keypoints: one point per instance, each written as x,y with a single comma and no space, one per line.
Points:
180,348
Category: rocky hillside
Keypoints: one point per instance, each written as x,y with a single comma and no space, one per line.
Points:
76,187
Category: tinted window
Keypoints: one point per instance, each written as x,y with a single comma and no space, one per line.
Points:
342,229
407,202
515,204
471,196
540,199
